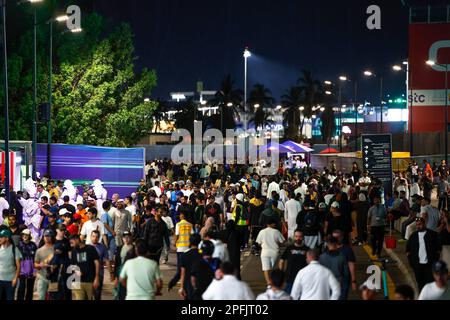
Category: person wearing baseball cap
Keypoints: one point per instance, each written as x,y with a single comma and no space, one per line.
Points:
10,265
27,271
440,288
42,261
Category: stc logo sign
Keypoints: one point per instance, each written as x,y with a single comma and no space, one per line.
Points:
417,98
433,55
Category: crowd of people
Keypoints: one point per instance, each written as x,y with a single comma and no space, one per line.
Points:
57,242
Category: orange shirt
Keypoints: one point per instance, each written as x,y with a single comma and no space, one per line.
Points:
84,217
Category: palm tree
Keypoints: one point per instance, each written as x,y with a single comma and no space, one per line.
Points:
229,100
292,100
259,100
160,114
187,115
311,89
328,116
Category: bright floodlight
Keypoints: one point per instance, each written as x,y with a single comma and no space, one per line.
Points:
397,68
343,78
34,1
368,73
229,104
328,92
76,30
301,108
62,18
328,83
431,63
256,106
405,63
279,107
147,100
247,53
203,102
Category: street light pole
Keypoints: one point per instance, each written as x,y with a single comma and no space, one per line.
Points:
49,123
432,63
381,102
340,117
34,129
356,117
247,54
5,101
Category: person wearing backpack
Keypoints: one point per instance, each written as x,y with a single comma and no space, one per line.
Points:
310,225
203,272
10,258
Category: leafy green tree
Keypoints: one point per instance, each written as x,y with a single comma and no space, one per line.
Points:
98,97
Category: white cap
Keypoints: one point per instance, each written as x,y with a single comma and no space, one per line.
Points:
335,204
240,197
120,200
322,205
90,199
63,211
26,231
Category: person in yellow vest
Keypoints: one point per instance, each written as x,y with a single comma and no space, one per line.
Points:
240,218
183,231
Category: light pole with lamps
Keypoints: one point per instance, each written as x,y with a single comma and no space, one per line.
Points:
34,126
341,79
440,67
399,68
247,54
371,74
50,22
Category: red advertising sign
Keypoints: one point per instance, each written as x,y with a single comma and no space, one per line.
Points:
427,83
12,164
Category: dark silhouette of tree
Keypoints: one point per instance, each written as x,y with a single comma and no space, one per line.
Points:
260,101
311,94
187,115
292,101
229,100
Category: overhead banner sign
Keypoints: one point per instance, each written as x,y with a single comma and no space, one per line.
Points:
377,157
428,41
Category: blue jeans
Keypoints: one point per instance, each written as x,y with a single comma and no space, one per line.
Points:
6,290
112,247
288,288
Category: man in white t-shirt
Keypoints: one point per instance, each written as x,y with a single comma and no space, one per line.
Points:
93,224
440,288
129,206
141,276
270,240
364,181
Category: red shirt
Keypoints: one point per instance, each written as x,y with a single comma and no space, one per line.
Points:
73,229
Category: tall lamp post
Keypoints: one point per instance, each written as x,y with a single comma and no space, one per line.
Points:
399,68
442,67
34,126
247,54
5,99
371,74
50,84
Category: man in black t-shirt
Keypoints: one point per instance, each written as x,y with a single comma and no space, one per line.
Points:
87,267
189,260
294,259
203,272
214,210
67,205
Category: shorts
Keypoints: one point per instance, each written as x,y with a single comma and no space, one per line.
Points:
268,263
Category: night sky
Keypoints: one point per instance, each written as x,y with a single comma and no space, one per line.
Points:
186,41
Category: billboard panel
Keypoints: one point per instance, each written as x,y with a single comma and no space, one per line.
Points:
427,83
120,169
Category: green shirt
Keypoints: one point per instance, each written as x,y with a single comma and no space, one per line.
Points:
7,263
141,274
